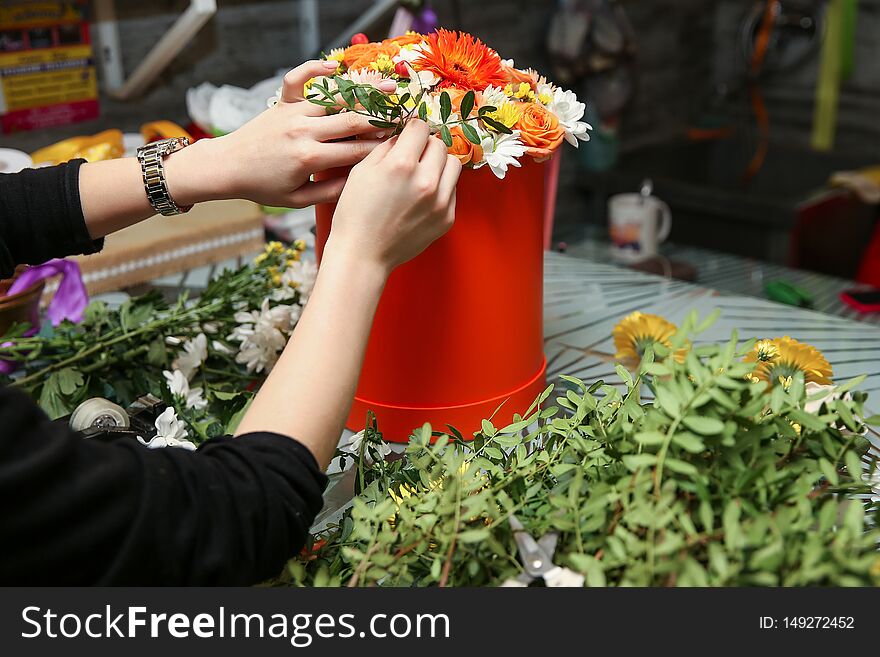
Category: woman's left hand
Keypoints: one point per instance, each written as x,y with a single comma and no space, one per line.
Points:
270,159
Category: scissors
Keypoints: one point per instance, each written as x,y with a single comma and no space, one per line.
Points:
537,560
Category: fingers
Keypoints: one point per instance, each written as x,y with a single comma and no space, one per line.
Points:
434,158
412,141
449,179
294,81
312,193
343,153
340,126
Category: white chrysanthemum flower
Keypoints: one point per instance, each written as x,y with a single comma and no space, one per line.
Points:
410,52
300,276
179,387
502,151
354,447
195,352
569,110
494,97
262,334
170,432
222,348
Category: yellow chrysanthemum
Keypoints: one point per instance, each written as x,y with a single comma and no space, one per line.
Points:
636,332
545,98
779,359
336,55
383,64
507,113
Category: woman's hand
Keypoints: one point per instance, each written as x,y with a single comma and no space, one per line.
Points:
270,159
398,200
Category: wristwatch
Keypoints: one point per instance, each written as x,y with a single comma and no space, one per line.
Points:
151,157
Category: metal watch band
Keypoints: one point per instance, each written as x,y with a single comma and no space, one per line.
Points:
151,157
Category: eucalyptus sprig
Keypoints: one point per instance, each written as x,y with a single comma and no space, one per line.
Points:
392,112
717,481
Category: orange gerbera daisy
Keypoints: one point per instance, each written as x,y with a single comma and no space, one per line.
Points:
461,60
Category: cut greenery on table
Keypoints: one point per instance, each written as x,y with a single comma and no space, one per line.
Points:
722,479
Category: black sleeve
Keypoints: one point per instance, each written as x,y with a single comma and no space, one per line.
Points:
77,511
41,217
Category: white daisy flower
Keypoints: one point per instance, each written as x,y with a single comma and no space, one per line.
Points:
569,110
170,432
179,387
221,348
364,76
501,151
195,352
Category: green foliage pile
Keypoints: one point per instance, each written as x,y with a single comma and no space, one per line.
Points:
718,481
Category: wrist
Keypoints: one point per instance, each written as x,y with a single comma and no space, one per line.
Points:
194,174
340,255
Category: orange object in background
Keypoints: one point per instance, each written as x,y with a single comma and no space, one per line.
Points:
157,130
105,145
459,329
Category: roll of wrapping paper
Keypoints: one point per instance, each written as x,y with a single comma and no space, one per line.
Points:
105,145
838,62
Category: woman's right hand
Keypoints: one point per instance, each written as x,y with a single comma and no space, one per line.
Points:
398,200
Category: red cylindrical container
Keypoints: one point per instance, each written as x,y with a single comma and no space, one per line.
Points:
459,329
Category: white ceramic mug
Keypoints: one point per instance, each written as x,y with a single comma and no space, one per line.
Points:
638,224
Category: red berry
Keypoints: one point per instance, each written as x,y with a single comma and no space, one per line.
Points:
400,69
359,38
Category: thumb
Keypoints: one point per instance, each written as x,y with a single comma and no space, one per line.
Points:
295,80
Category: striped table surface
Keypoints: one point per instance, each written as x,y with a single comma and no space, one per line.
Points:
583,300
738,275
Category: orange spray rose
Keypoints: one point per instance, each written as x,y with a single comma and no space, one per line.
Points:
464,150
540,130
361,55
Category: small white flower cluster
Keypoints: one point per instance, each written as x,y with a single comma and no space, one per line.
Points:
379,447
262,334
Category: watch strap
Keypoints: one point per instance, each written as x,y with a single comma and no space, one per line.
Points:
151,157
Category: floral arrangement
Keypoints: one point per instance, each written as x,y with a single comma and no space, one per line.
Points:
487,111
204,357
721,480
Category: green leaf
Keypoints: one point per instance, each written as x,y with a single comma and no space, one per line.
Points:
488,428
473,535
707,426
496,125
69,380
624,375
383,124
236,419
487,109
681,467
467,105
446,136
828,471
689,442
854,465
470,133
445,106
423,111
650,437
635,461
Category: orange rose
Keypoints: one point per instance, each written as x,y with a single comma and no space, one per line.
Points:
466,151
361,55
455,95
515,76
539,130
406,39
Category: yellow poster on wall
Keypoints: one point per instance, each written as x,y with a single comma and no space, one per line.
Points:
47,67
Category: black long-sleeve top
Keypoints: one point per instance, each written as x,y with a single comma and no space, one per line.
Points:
76,511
